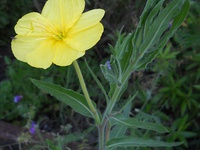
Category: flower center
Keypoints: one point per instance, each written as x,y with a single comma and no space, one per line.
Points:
60,36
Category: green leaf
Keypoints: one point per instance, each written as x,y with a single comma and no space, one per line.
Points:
127,106
122,51
112,71
97,81
5,86
127,49
152,15
157,31
147,58
146,117
138,142
181,15
122,42
146,11
52,146
197,87
145,19
118,130
187,134
159,25
175,25
69,97
134,123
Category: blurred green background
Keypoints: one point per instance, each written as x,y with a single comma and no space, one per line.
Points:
168,90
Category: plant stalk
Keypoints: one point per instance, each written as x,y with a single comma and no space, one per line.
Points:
101,137
116,94
85,92
102,134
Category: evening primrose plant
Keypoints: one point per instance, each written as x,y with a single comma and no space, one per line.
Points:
63,32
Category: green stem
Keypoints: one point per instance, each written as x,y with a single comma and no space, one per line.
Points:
85,92
101,138
113,100
102,134
117,93
115,97
104,122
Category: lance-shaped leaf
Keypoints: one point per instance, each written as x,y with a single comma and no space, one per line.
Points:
137,142
119,130
134,123
98,82
160,25
175,24
69,97
152,15
157,39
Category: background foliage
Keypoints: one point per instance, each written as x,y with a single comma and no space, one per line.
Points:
168,90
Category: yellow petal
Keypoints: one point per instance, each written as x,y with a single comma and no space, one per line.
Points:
22,45
42,56
65,55
34,24
87,20
63,13
85,39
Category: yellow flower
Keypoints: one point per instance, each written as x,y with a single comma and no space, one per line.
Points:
60,34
